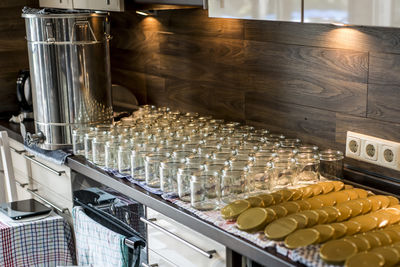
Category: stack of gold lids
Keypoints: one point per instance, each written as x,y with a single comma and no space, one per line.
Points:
351,222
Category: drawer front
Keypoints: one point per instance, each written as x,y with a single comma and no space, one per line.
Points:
21,165
156,259
22,193
51,196
60,185
178,252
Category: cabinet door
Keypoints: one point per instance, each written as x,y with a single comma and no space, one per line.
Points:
107,5
156,259
56,3
177,252
280,10
383,13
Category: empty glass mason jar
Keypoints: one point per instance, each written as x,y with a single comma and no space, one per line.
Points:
256,178
183,177
232,185
307,149
88,145
331,163
282,173
292,143
98,148
204,192
78,141
168,173
137,163
181,155
111,154
307,168
124,157
152,169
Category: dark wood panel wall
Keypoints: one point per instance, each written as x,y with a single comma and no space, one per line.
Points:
13,50
312,81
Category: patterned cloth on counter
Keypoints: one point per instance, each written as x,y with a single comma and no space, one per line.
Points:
309,256
96,245
43,242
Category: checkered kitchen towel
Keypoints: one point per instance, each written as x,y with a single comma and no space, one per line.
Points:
45,242
96,245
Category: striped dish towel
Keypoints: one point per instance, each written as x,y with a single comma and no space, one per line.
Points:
45,242
96,245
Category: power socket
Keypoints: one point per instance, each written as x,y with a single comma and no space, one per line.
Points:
369,150
374,150
353,145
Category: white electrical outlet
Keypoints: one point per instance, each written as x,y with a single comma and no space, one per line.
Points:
374,150
353,145
369,150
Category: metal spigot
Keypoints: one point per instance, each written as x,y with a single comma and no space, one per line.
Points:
34,139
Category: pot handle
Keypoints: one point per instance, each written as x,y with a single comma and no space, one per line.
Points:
82,23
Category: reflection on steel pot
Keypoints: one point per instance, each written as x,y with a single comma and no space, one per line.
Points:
70,73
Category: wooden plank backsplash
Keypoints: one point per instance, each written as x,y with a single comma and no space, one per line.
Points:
13,50
313,81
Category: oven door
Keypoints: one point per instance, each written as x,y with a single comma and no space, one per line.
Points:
113,210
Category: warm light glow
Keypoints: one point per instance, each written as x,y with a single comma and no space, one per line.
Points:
345,37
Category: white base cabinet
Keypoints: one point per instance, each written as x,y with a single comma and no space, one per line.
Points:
167,251
45,183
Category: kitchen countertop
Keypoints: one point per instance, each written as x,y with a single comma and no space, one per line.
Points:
237,244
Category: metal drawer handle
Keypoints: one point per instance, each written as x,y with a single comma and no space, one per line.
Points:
149,265
33,192
208,254
21,184
32,158
17,151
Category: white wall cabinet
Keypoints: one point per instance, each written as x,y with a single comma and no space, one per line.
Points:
106,5
280,10
56,3
385,13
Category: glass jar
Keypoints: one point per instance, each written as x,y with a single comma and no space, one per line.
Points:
183,178
331,163
232,185
111,154
168,173
124,157
291,143
78,141
264,157
98,148
88,145
152,169
181,155
256,178
137,164
282,173
204,192
307,168
307,149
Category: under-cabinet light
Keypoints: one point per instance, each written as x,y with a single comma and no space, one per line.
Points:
146,12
